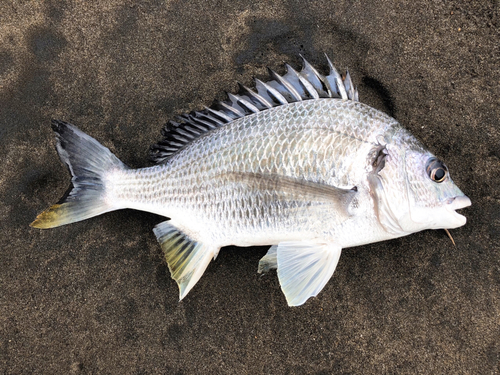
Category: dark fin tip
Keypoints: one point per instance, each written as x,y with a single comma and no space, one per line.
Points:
66,193
57,125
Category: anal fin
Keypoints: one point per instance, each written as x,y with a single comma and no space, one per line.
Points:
304,268
269,261
186,257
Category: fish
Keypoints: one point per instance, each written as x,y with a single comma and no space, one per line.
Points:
298,163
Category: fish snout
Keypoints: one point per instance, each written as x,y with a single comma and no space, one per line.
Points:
460,202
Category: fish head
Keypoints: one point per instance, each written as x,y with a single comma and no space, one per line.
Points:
432,194
414,190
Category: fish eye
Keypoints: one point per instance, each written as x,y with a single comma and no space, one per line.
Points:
436,170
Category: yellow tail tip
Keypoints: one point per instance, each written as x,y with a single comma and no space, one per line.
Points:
50,218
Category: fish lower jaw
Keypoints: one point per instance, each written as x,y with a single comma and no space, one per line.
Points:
454,204
459,219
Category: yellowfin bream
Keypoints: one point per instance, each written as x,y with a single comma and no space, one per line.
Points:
297,163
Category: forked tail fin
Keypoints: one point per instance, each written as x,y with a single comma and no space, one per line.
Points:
89,163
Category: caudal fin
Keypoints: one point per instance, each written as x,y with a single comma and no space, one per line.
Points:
89,162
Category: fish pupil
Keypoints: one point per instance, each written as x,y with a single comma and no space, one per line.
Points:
439,174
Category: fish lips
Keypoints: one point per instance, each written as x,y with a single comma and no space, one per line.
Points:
454,204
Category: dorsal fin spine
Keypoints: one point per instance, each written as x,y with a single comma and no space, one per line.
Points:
335,81
187,131
243,104
219,114
230,110
256,98
295,80
309,92
312,76
273,94
286,85
249,107
233,102
348,85
200,121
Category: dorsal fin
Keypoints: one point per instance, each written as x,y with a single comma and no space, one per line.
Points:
280,90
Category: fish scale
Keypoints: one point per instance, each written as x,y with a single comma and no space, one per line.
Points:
300,165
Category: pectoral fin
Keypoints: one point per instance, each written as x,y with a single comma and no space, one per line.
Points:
304,268
187,258
289,189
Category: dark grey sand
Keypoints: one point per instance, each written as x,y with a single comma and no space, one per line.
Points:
96,298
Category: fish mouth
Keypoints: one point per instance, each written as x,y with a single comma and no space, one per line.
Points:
458,203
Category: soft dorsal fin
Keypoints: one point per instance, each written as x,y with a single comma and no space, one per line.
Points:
280,90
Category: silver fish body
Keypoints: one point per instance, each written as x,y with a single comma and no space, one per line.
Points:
309,177
231,177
